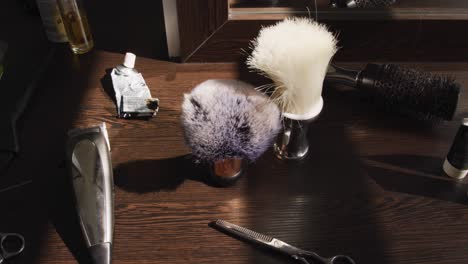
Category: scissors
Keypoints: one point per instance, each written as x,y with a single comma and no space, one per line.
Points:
11,245
277,245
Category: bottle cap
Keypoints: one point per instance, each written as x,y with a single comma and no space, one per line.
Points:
129,60
454,172
465,122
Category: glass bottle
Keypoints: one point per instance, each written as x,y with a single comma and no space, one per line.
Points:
76,25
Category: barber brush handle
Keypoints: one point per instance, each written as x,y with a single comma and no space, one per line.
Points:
367,77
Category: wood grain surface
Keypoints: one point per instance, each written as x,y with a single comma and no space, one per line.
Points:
407,40
410,31
198,20
421,4
400,10
371,187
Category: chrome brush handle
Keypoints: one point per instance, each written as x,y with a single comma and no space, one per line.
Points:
292,143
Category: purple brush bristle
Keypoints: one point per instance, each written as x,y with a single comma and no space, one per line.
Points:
228,119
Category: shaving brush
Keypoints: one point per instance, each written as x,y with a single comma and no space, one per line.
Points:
227,122
362,3
414,93
295,54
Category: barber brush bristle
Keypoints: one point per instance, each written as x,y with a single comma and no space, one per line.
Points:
225,119
420,94
295,54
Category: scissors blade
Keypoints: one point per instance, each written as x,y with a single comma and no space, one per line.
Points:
254,237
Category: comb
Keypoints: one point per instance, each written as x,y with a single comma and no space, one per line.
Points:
242,232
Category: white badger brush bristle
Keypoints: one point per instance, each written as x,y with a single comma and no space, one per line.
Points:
295,54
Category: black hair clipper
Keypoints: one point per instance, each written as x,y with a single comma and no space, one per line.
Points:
89,160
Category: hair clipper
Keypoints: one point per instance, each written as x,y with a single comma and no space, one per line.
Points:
90,166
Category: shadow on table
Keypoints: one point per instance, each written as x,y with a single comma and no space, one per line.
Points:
144,176
66,221
417,175
23,209
106,82
19,206
55,181
325,203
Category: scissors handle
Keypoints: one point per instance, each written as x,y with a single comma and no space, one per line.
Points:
11,244
341,259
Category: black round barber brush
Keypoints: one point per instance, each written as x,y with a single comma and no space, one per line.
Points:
362,3
399,89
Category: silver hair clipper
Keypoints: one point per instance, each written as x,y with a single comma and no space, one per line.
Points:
89,160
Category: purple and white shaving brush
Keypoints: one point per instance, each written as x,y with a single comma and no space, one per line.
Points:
226,121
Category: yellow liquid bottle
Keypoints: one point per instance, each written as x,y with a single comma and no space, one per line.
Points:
76,25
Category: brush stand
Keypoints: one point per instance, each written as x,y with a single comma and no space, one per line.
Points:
292,142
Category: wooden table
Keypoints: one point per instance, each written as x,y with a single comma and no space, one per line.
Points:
372,186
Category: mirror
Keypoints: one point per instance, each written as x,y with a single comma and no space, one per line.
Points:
405,30
348,9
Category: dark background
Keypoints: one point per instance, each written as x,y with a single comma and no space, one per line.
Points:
136,26
403,212
117,26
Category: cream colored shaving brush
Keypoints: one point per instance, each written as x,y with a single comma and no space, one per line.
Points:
295,54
